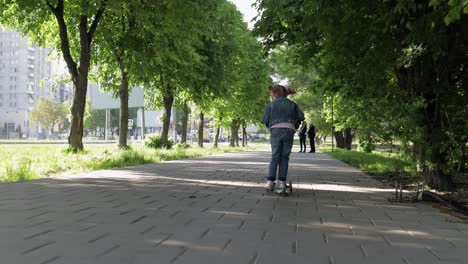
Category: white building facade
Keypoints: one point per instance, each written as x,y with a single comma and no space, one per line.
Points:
25,76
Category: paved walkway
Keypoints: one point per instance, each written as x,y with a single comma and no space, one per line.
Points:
214,210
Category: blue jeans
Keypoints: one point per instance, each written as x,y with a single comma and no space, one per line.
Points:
281,140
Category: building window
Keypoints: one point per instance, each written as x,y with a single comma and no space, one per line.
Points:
10,127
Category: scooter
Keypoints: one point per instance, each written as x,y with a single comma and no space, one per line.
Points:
287,190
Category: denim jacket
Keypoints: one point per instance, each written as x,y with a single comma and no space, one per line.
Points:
280,110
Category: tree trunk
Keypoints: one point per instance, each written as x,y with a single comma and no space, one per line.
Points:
461,161
428,79
348,138
78,74
200,129
244,135
418,152
183,139
123,94
168,100
234,140
75,138
218,129
340,142
437,179
435,138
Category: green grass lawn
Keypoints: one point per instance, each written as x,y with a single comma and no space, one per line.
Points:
27,162
377,163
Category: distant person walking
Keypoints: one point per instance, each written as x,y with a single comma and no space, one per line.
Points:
302,136
282,117
311,134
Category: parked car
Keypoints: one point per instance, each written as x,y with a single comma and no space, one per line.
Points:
55,136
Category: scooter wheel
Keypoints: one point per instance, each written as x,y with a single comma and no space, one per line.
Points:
290,186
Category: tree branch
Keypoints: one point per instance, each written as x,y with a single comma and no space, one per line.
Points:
52,8
64,40
96,20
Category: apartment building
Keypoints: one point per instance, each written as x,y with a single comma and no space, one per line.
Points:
25,76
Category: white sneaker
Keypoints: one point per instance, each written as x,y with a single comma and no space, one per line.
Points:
270,186
281,187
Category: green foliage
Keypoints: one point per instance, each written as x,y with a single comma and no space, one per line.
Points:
183,146
206,56
25,162
237,71
154,141
123,158
48,113
389,67
454,9
380,164
94,118
68,27
311,96
17,170
367,143
71,150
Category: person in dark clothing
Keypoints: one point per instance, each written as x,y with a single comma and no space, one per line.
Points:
302,135
311,134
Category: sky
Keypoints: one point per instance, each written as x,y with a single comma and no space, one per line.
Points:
245,7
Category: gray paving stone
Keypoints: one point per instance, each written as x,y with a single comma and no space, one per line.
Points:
214,210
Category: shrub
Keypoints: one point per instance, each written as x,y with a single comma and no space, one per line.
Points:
154,141
367,144
183,146
21,171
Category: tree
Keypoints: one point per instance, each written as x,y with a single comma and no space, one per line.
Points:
73,34
119,52
412,51
173,64
48,113
94,118
233,91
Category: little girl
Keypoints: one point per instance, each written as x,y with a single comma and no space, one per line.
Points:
282,117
